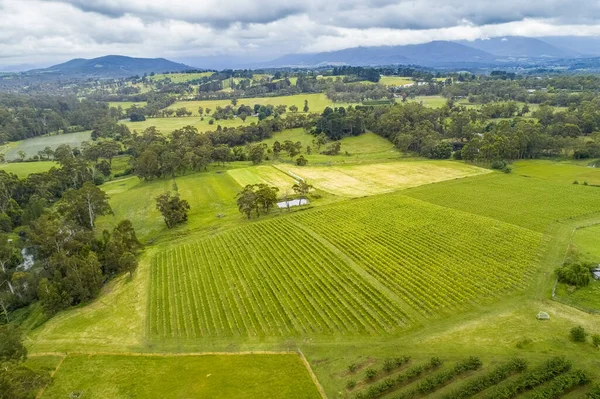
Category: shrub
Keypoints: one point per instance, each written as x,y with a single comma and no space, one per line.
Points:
352,367
596,340
577,274
507,169
594,393
350,385
576,182
499,165
370,373
578,334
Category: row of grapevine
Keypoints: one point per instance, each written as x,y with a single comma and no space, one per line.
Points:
266,279
431,257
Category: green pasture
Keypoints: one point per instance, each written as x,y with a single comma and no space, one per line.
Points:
395,80
210,376
180,77
167,125
33,145
562,172
316,102
24,169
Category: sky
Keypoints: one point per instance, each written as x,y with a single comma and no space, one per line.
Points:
45,32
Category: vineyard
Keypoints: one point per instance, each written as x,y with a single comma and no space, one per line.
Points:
265,279
317,273
431,257
527,202
552,378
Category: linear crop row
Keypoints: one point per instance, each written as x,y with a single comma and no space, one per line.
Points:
266,279
433,258
494,377
432,383
530,379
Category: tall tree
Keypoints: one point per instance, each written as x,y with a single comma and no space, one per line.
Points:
173,209
85,204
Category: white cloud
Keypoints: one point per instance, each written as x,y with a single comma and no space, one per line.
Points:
49,31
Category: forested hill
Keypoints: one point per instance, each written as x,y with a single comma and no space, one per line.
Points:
111,66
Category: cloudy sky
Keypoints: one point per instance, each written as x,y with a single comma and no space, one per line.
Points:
44,32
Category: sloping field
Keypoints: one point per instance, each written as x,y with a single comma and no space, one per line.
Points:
360,267
431,257
527,202
370,179
209,195
262,174
268,278
174,377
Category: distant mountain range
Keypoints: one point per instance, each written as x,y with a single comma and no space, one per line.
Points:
111,66
500,51
495,51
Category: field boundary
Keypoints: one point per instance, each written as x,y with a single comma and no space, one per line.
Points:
312,374
52,374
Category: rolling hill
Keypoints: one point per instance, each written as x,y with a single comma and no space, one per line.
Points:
111,66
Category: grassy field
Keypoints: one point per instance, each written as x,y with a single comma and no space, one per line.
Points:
266,174
527,202
211,376
316,102
125,105
562,172
32,146
180,77
167,125
430,101
24,169
370,179
366,148
239,284
395,81
209,194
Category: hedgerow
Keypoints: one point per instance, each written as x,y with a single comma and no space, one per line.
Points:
494,377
